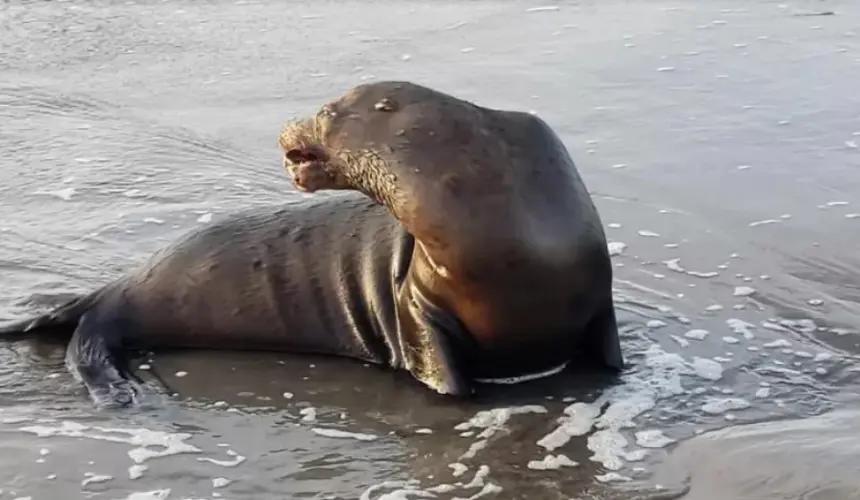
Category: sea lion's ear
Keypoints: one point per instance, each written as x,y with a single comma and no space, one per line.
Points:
386,104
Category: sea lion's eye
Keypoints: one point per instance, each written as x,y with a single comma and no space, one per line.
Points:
327,111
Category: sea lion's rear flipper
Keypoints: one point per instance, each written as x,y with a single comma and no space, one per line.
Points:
95,356
426,343
61,320
603,344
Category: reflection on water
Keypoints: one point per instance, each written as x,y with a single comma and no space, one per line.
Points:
813,459
720,142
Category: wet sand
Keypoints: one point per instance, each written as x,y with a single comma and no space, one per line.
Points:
720,140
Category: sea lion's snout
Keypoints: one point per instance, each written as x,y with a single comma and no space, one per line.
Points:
308,167
305,159
306,154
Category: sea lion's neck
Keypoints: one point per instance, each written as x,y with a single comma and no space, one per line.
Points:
365,171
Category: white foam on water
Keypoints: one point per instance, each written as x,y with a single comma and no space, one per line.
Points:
442,488
237,459
777,343
803,325
655,323
406,489
714,308
308,414
697,334
424,430
220,482
578,419
337,433
543,9
730,340
64,194
773,326
707,369
144,439
612,477
133,193
552,462
681,342
410,489
458,469
488,489
136,471
492,421
91,477
743,291
741,327
675,265
205,218
716,406
150,495
648,234
623,404
479,478
762,392
652,438
764,222
616,248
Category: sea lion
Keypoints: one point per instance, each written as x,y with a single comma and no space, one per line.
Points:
494,264
510,272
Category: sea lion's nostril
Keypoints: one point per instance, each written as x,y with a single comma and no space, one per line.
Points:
302,156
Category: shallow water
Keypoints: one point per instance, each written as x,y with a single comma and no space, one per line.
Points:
720,140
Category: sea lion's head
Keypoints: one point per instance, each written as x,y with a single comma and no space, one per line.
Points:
450,171
390,136
351,142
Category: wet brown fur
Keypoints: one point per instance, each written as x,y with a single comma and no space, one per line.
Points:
506,229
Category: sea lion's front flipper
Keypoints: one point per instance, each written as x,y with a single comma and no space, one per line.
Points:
95,357
603,344
427,336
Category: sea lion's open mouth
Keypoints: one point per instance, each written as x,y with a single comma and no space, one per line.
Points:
305,159
306,154
308,167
